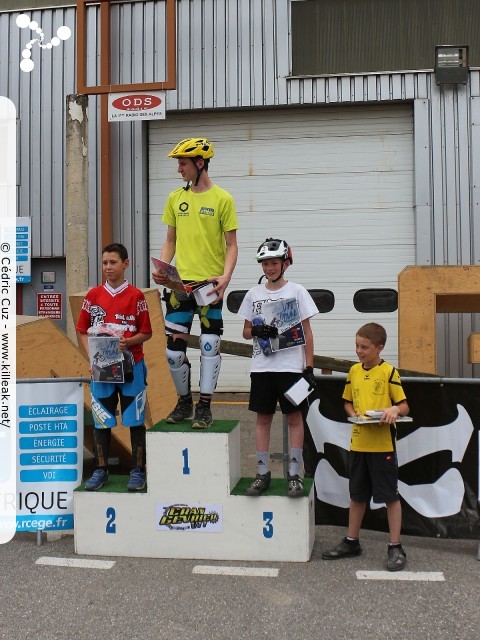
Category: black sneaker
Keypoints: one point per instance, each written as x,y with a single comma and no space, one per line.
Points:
203,416
259,485
295,486
183,410
344,549
396,558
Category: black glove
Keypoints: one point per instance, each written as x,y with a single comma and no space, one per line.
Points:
264,331
128,364
309,377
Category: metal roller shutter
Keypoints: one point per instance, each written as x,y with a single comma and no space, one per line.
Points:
336,183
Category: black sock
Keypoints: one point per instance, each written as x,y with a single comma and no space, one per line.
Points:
352,541
102,447
137,439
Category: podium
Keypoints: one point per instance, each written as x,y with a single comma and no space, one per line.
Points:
194,505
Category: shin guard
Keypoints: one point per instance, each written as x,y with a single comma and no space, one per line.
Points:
210,361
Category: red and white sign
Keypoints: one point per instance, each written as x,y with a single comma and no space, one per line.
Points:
136,106
49,305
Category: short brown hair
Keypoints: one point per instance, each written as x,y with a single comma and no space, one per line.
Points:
116,247
373,332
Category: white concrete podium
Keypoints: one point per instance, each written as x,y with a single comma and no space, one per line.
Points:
195,505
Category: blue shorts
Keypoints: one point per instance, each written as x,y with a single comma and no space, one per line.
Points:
132,395
181,309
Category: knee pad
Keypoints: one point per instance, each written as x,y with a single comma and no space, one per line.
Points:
210,361
179,370
176,345
209,344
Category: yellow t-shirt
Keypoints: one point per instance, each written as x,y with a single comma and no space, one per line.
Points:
200,220
372,389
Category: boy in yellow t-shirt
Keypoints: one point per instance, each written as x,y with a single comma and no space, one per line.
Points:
373,384
201,234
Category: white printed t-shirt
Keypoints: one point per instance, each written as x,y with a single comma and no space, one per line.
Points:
293,359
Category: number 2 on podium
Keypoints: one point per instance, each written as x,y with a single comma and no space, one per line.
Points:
111,527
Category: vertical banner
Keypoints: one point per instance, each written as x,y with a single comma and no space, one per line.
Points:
8,206
50,453
438,458
24,250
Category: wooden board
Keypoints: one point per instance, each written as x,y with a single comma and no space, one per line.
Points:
45,351
422,293
474,348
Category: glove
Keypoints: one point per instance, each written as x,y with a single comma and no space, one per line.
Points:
264,331
309,377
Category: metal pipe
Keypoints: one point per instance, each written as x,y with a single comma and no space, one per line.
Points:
436,380
29,380
286,452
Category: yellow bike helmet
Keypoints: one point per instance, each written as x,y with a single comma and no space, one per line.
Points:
192,148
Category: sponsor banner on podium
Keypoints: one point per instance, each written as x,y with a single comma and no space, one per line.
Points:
205,518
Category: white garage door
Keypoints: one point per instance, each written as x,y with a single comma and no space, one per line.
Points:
336,183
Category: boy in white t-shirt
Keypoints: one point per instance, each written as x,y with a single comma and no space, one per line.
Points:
274,372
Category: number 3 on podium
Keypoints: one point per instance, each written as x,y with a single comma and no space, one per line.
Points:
268,528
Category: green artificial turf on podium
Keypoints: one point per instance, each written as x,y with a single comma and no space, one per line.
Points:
218,426
278,487
115,484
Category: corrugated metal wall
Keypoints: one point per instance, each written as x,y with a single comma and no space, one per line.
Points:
350,36
232,54
39,98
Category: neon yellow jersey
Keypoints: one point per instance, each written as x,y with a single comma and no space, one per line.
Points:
200,220
369,389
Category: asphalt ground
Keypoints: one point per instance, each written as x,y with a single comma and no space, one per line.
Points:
139,598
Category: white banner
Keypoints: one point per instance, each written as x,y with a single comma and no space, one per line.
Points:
50,453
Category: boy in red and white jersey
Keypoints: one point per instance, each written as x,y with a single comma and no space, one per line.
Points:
119,303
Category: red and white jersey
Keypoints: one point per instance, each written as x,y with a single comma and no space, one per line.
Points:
125,306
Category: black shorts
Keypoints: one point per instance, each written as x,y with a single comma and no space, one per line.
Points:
373,475
268,388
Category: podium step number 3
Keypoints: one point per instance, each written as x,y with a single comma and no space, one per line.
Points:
194,505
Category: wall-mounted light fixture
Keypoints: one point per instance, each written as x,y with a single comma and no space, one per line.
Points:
451,64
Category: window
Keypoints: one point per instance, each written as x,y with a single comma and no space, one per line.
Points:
376,300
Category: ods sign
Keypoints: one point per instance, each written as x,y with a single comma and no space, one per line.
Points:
136,106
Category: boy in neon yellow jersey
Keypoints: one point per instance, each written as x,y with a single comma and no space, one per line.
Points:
373,384
201,234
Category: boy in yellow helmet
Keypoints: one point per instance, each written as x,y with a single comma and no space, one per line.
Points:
201,233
